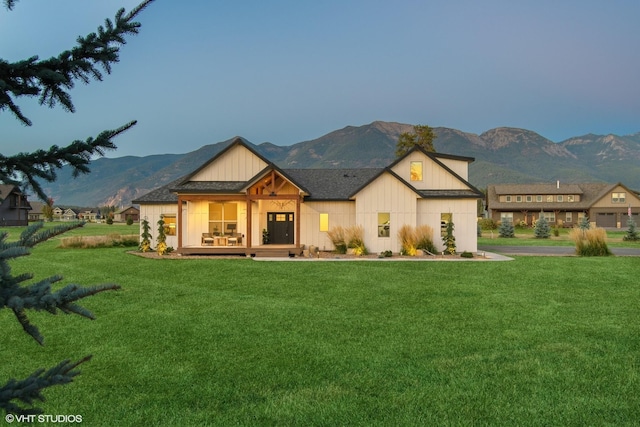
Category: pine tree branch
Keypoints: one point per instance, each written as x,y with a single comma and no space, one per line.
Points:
9,4
43,165
39,296
29,390
50,79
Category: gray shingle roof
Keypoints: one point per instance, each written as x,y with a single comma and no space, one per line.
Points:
210,187
161,195
449,194
332,184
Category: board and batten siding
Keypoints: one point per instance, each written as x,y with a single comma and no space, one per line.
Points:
460,167
464,220
152,214
385,195
434,176
339,213
237,164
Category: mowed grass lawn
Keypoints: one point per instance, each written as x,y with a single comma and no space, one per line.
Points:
534,341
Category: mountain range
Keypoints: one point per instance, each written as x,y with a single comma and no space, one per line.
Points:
502,155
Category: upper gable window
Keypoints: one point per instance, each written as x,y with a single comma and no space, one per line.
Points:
618,197
416,171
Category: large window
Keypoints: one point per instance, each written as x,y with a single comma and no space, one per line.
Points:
506,217
169,224
618,197
416,171
223,218
549,216
324,222
384,224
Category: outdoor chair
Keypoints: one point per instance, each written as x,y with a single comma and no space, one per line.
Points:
207,239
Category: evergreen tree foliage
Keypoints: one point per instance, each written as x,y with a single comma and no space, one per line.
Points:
422,136
632,234
584,223
506,229
542,230
50,80
449,239
162,238
145,244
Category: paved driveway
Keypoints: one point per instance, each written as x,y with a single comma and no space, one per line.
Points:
550,250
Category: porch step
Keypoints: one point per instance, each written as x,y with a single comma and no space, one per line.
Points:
272,253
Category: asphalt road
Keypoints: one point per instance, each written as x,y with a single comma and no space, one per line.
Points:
550,250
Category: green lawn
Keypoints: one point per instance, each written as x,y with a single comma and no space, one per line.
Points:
535,341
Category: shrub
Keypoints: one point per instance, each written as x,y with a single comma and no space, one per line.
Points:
386,254
466,254
556,231
506,229
592,242
487,224
337,237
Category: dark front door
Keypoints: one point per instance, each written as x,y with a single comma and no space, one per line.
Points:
280,228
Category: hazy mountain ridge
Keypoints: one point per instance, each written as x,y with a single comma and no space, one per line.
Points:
502,155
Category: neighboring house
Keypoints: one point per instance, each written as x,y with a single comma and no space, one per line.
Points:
57,213
14,206
606,205
130,212
227,204
36,213
89,215
69,215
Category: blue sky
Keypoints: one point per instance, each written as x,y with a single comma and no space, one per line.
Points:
203,71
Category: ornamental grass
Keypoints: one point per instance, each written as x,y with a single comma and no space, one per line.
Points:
591,242
424,239
354,236
408,240
105,241
337,236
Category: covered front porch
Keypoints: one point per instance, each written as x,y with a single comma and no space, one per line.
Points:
261,217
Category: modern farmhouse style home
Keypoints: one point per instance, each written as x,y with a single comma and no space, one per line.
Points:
239,202
606,205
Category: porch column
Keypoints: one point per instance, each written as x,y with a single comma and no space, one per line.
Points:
249,216
298,220
179,229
